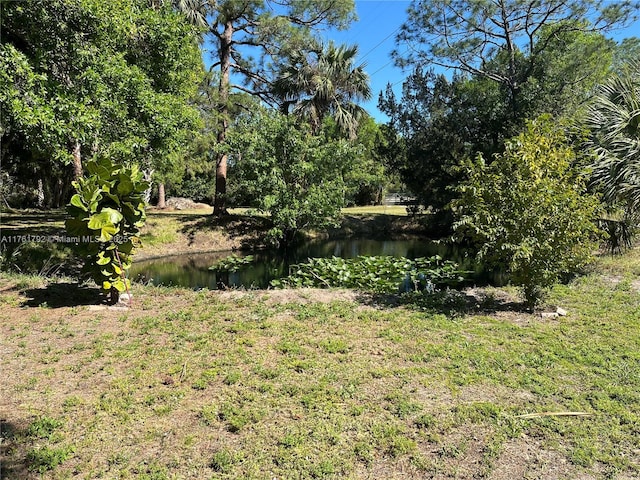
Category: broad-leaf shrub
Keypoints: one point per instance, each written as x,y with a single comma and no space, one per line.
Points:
529,210
107,213
378,274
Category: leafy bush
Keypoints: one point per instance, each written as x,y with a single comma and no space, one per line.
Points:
107,214
44,458
529,210
200,188
620,230
614,124
295,177
379,274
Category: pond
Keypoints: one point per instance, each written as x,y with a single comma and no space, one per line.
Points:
192,270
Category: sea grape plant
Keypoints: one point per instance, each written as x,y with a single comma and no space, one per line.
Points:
106,215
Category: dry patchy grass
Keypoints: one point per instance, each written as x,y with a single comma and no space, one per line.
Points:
314,384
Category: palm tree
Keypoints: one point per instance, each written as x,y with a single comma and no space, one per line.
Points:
324,81
614,122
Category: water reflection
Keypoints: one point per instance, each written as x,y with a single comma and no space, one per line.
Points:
192,270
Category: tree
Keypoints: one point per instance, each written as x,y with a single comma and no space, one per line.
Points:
324,81
529,211
470,35
294,176
444,122
82,78
269,28
368,177
627,52
441,124
614,123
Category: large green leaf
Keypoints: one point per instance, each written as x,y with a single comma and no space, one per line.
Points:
107,232
113,197
107,217
126,247
102,260
106,223
76,201
125,186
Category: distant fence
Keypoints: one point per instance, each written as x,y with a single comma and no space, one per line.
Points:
398,199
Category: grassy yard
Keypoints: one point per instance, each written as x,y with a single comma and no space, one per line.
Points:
320,384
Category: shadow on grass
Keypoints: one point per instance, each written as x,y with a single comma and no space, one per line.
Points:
12,455
251,229
452,303
38,224
59,295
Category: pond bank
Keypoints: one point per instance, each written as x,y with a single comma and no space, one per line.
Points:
185,232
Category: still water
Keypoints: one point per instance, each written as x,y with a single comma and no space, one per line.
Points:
192,270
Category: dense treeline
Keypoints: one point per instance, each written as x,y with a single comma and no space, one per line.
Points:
80,79
442,123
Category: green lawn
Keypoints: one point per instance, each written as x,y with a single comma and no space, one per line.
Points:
320,384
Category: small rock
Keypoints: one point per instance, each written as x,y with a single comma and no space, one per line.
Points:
549,315
561,311
125,300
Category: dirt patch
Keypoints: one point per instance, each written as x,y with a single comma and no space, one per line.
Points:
298,295
196,242
526,457
616,280
180,203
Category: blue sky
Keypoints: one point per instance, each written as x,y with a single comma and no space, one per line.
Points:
378,23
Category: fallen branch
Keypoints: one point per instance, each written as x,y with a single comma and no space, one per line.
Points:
554,414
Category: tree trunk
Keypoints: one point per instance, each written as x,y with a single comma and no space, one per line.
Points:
161,199
148,177
77,161
220,200
40,193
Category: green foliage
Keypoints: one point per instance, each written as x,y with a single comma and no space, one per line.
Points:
113,77
232,263
294,176
43,459
324,81
107,214
620,231
442,123
368,178
43,427
614,123
439,123
268,35
529,211
382,274
469,35
35,258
